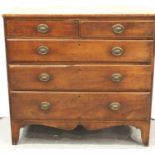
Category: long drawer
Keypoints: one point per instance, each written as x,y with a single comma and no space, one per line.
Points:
79,50
80,105
116,29
81,77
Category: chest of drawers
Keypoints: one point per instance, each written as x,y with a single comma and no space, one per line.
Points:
90,70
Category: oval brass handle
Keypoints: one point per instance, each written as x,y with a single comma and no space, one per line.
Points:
44,77
44,106
118,28
117,51
42,50
116,77
114,106
42,28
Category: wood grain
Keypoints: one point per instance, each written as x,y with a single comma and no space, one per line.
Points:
80,106
29,28
81,77
79,50
104,29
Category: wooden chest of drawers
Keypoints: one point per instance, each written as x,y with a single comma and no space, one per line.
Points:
89,70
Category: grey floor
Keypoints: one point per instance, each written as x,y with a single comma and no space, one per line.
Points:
41,137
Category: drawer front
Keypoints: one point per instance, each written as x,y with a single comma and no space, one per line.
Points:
82,105
116,29
81,77
41,28
79,51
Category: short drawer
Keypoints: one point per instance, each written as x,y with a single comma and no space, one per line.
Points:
116,29
80,105
79,50
81,77
41,28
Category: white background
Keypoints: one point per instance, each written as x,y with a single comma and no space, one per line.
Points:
6,5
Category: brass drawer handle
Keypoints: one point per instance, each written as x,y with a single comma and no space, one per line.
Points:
45,106
44,77
114,106
117,51
42,28
118,28
116,77
42,50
